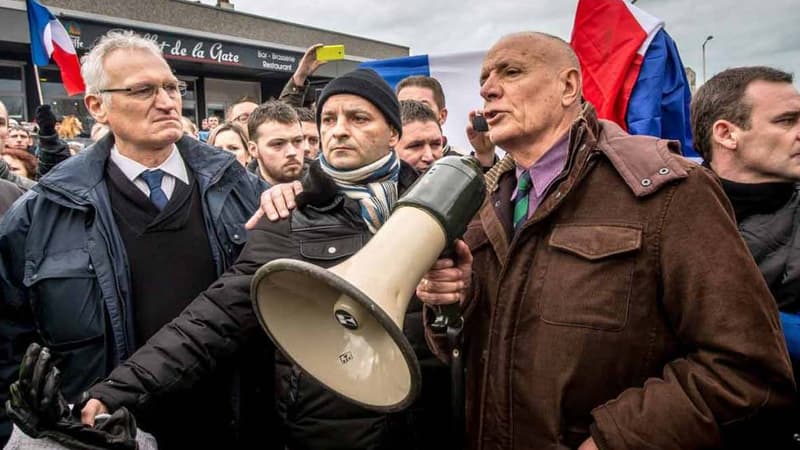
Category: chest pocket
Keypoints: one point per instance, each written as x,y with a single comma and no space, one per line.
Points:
66,299
590,275
330,250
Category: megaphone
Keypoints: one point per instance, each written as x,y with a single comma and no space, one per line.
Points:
344,325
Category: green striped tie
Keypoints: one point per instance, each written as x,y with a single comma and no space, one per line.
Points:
521,202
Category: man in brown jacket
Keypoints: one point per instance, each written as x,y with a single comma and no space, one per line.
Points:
611,303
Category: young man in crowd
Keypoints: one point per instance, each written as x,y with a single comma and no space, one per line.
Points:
276,142
422,140
308,122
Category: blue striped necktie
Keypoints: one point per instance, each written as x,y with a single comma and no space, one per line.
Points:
153,180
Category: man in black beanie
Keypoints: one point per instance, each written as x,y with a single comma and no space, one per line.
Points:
347,195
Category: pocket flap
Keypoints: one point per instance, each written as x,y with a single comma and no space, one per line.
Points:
74,263
236,233
330,249
593,241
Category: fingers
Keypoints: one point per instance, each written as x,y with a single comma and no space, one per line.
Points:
313,50
253,221
28,363
443,263
50,393
463,255
40,371
279,205
92,409
432,298
276,203
297,188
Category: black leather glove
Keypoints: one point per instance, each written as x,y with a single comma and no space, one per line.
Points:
46,120
37,406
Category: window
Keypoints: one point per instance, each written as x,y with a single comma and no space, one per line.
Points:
190,99
222,93
12,89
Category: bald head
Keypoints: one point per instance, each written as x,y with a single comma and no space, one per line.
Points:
531,84
552,50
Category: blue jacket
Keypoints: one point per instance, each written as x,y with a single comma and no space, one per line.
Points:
64,275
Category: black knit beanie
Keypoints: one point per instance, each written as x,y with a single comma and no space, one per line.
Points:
365,83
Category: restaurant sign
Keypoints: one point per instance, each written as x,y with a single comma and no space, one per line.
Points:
85,33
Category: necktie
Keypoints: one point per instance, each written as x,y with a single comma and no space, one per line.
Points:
521,201
153,180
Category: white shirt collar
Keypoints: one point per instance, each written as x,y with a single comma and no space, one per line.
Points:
173,165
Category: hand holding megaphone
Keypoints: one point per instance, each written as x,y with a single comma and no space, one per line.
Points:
444,287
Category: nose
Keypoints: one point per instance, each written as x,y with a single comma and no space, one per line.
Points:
427,154
292,149
164,101
490,89
340,129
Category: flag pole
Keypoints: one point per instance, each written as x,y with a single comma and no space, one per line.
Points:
38,83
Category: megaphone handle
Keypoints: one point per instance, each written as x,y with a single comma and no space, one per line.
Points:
446,315
457,392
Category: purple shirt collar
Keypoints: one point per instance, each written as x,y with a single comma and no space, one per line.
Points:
544,171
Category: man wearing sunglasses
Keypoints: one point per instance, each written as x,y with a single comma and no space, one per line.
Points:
114,242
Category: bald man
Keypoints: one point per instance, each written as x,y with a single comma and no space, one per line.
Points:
608,300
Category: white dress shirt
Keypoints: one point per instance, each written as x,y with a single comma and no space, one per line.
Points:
173,167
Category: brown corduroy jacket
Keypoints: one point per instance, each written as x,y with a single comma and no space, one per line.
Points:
626,308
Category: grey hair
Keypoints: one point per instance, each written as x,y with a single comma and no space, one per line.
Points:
94,75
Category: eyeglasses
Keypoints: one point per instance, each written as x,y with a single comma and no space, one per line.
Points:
174,89
242,118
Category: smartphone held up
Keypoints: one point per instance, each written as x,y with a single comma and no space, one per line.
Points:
330,53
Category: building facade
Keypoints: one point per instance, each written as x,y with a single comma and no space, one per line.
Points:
222,54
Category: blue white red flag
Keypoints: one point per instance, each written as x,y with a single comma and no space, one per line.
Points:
458,73
632,71
610,38
49,40
660,100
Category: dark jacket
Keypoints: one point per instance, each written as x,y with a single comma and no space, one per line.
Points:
627,308
774,241
64,275
221,319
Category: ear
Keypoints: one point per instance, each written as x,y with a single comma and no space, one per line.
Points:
570,79
724,134
252,149
442,116
394,137
94,104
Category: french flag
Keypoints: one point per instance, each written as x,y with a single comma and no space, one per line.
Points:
458,73
632,72
49,40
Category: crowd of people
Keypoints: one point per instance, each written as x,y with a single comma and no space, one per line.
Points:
614,294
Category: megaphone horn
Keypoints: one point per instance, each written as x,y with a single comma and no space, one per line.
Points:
344,325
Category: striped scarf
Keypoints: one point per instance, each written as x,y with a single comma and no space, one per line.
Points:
374,186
